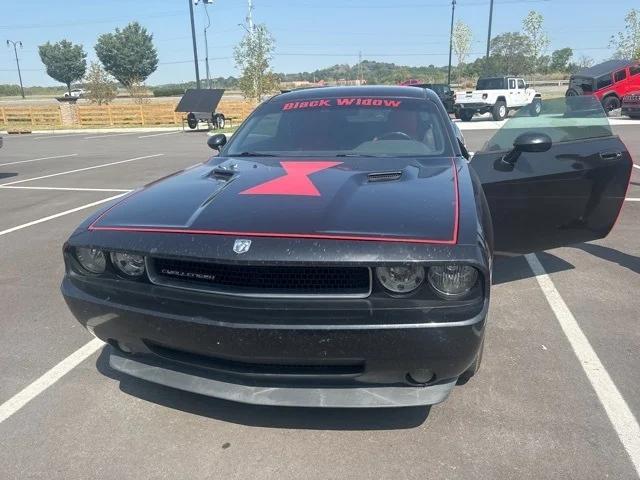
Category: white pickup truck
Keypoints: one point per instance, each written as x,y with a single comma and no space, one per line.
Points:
497,95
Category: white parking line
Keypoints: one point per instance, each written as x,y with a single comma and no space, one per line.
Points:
23,397
636,166
81,169
619,413
65,189
109,135
61,214
159,134
38,159
632,199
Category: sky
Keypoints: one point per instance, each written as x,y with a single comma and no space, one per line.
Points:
309,34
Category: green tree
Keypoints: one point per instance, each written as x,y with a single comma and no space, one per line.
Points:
65,62
253,57
533,28
101,87
560,60
462,37
128,55
627,42
511,54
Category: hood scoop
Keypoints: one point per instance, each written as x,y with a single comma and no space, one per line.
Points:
384,176
222,174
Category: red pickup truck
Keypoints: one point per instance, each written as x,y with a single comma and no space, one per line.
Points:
609,82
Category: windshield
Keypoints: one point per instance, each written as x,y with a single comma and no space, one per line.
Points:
350,126
490,84
564,119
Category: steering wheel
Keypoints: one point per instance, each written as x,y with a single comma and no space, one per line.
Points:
395,136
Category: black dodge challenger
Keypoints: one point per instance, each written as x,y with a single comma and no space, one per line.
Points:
337,251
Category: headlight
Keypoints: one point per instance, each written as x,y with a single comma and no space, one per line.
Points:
128,263
453,280
91,259
401,279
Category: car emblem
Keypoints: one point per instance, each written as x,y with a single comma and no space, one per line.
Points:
241,246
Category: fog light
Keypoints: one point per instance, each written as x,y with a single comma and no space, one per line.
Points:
91,259
420,376
130,264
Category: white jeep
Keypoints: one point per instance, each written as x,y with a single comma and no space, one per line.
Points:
497,95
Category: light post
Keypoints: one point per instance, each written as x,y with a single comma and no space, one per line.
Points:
195,45
453,12
17,44
206,42
486,60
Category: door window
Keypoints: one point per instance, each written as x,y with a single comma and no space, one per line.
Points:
512,84
620,75
634,70
603,81
521,84
564,119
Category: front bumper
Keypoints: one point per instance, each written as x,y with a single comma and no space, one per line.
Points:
315,353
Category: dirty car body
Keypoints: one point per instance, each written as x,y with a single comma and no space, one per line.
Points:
337,252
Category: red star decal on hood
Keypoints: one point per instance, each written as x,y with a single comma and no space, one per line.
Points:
295,182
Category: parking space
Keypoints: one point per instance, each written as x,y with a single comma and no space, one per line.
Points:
532,412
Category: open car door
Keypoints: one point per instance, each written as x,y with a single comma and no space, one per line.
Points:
556,179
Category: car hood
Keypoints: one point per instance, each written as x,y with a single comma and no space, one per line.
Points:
394,199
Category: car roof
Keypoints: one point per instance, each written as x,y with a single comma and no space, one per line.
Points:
603,68
405,91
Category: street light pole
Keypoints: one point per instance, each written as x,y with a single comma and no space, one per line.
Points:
15,51
206,45
486,61
195,45
453,12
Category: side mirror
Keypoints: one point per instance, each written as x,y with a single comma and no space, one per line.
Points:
217,141
533,142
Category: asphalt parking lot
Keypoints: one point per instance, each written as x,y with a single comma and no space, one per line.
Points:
541,406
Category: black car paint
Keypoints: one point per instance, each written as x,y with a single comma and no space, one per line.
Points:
247,340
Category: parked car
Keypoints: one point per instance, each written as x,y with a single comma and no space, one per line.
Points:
498,95
338,249
75,93
631,105
444,92
609,82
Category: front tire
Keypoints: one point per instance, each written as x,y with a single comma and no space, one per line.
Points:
499,111
466,115
610,104
536,107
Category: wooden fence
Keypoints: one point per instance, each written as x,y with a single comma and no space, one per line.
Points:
30,117
115,115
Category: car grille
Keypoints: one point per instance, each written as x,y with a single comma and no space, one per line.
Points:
631,98
261,280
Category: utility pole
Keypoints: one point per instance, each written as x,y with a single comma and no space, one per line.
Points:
195,45
486,60
453,12
206,42
250,16
360,67
15,51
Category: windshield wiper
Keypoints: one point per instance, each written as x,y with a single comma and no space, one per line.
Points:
253,154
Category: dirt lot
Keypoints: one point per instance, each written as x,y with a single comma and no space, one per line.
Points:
533,411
